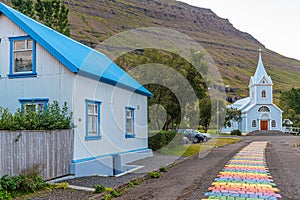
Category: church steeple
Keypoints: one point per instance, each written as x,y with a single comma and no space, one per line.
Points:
260,76
260,87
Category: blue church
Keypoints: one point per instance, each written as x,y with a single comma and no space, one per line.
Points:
258,110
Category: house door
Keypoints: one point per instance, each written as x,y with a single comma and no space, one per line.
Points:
264,125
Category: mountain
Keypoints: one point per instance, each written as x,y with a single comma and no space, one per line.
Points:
235,52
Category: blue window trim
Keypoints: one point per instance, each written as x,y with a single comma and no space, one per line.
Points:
22,75
87,136
131,135
34,100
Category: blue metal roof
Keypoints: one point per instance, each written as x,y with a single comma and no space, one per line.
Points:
78,58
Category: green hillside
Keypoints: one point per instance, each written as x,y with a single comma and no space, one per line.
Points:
235,52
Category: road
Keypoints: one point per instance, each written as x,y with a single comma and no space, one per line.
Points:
191,179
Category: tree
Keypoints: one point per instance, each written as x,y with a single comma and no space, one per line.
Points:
232,114
164,96
205,113
290,104
53,13
24,6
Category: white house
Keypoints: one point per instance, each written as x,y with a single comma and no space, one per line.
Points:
39,65
258,110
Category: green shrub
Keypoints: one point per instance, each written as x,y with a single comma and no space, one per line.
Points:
115,193
236,132
26,118
4,195
22,184
159,139
130,184
99,188
155,174
62,185
107,197
163,169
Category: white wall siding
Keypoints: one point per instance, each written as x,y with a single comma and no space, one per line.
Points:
53,80
112,118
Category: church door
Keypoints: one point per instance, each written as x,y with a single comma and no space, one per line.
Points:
264,125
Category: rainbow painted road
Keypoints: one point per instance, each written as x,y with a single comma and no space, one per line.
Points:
245,177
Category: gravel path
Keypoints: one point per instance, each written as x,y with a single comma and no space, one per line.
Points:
191,178
150,164
187,180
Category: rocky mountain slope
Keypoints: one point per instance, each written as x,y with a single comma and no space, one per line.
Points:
235,52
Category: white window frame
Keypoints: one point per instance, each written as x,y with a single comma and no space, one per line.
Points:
92,134
12,69
273,123
254,123
39,103
263,94
130,111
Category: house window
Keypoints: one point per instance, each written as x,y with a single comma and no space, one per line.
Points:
129,122
253,123
92,120
263,109
273,123
34,104
22,57
264,94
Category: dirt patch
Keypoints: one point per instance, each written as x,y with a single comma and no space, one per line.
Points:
284,161
59,194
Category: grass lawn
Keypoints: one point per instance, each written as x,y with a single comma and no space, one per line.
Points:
191,149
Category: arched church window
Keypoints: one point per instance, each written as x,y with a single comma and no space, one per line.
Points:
264,94
253,123
273,123
263,109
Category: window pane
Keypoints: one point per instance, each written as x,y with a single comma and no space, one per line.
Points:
40,106
30,108
19,44
96,109
129,126
29,44
94,124
23,61
91,109
129,114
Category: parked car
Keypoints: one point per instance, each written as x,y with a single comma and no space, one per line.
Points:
192,135
207,135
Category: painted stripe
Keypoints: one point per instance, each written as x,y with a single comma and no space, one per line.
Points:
245,177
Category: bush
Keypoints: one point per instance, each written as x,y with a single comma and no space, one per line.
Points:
155,174
99,188
236,132
62,185
25,118
4,195
163,169
159,139
22,184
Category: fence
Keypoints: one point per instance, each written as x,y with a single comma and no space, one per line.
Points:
50,152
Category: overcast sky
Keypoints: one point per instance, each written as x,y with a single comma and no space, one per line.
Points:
275,23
